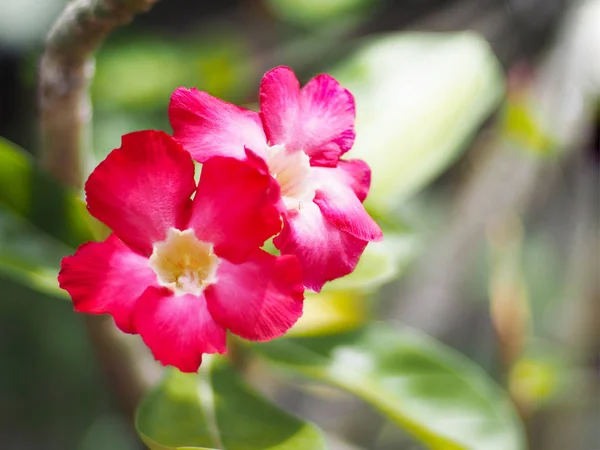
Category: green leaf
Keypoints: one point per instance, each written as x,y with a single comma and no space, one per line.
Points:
433,392
380,263
223,64
32,195
542,375
331,312
522,129
40,222
216,410
30,257
147,70
420,98
309,13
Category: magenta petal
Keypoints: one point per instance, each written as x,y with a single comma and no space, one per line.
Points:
280,106
259,299
328,116
317,119
357,174
106,277
340,205
142,188
324,251
207,126
178,329
235,206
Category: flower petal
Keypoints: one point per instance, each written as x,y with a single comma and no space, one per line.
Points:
357,174
235,207
106,277
317,119
339,204
207,126
324,251
142,188
328,115
178,328
259,299
280,106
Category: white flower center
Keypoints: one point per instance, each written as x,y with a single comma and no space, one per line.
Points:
293,172
183,263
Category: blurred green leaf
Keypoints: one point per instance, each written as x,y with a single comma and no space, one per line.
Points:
318,12
543,375
330,312
543,273
420,98
109,432
147,71
434,393
110,126
519,126
380,263
29,193
40,279
40,222
532,381
28,256
223,63
216,410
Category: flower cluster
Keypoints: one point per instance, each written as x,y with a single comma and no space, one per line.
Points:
184,262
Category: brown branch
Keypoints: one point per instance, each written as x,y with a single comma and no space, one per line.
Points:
66,70
129,368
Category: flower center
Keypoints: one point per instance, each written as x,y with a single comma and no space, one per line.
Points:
183,263
293,172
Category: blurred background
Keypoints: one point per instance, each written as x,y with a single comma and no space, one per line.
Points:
480,121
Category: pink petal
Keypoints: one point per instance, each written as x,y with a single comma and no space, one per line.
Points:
207,126
318,119
106,277
357,174
259,299
340,205
328,116
235,206
178,328
280,106
324,251
142,188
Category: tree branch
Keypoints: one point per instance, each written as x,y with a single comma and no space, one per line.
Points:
66,70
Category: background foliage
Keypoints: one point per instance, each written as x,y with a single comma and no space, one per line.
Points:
487,206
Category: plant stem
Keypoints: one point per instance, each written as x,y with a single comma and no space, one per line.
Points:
66,71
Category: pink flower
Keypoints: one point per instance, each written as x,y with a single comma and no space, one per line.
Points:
301,133
180,271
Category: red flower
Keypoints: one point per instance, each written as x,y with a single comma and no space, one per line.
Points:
179,271
301,134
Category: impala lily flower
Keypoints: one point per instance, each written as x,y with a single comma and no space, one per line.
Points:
179,271
301,133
